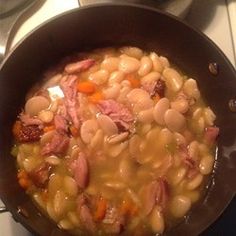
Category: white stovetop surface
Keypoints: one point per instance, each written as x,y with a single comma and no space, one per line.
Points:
216,18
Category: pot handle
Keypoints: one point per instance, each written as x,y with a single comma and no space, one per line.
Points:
7,23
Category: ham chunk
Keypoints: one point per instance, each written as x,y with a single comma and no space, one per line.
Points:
68,85
118,112
87,219
58,144
79,66
210,135
80,170
40,175
60,124
155,88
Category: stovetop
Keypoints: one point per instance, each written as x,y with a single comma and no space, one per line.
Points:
216,18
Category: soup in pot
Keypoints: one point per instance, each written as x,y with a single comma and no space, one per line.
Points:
115,141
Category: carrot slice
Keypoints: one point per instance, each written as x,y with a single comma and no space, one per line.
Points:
86,87
48,128
101,209
24,183
96,97
135,82
128,208
74,131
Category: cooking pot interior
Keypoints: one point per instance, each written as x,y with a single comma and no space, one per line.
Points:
115,25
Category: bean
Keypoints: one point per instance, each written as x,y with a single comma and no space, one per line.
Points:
30,163
165,137
99,77
70,186
123,94
150,78
116,77
164,61
115,184
157,220
197,113
115,150
136,94
190,88
134,144
54,106
160,109
59,205
153,134
193,150
73,217
143,104
55,183
107,124
174,120
38,199
117,138
173,79
157,64
88,130
179,138
180,205
145,116
53,160
179,175
181,105
97,140
113,91
36,104
206,164
132,52
193,195
146,128
195,183
74,152
51,212
46,116
110,64
126,168
209,116
46,137
129,64
125,83
66,224
145,67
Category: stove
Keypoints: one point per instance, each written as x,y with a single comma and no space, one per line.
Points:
215,18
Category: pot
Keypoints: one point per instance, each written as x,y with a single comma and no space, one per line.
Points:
116,25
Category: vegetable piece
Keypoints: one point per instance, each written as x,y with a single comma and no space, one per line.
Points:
135,83
74,131
96,97
86,87
23,179
48,128
128,207
100,210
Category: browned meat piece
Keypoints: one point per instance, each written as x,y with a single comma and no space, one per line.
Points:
120,114
210,135
30,133
60,124
57,145
68,85
27,120
155,88
157,192
80,170
87,219
79,66
40,175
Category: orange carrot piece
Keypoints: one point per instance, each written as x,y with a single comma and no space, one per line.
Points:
22,174
96,97
135,82
74,131
101,209
24,183
156,98
48,128
87,87
128,208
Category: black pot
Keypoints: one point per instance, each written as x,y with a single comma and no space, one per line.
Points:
115,25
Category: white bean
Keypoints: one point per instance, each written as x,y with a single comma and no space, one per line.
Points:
160,109
126,168
174,80
164,61
70,186
157,220
116,77
59,205
30,163
193,150
97,140
110,64
165,137
99,77
88,130
113,91
150,78
195,182
174,120
116,149
179,175
181,105
46,116
145,67
129,64
107,124
125,83
134,144
209,116
115,185
146,116
53,160
153,134
65,224
117,138
206,164
136,94
132,52
180,139
180,205
157,64
51,212
73,217
46,137
54,184
190,88
36,104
